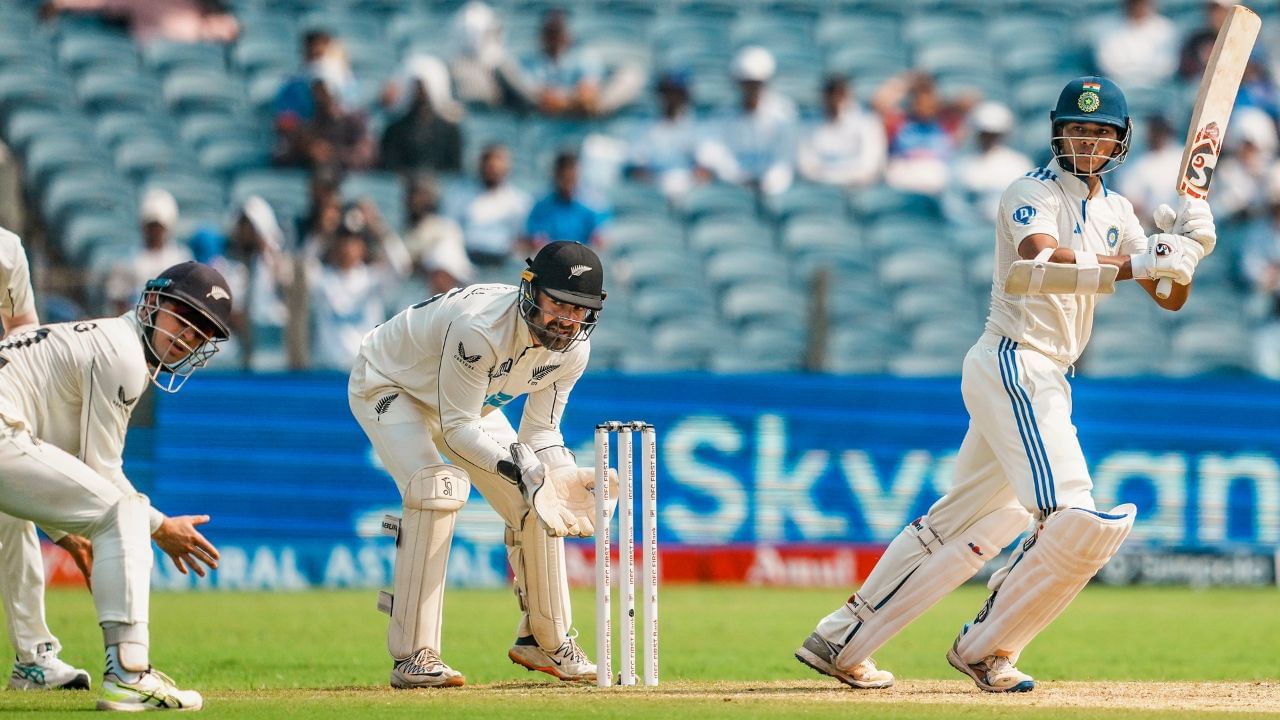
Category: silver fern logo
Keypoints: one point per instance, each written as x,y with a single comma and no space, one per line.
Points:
577,270
384,404
541,372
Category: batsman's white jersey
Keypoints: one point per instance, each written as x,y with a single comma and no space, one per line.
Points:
467,353
1051,201
15,278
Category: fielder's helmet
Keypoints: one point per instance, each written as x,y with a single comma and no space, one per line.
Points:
568,272
196,296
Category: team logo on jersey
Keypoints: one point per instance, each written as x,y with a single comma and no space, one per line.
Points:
1113,237
217,292
503,369
577,270
384,404
464,358
124,403
1023,215
541,372
1088,101
81,327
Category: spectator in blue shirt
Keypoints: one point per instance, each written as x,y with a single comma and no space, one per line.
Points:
560,215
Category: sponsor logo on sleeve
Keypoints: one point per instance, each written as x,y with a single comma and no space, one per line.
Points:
123,402
1023,215
500,370
464,358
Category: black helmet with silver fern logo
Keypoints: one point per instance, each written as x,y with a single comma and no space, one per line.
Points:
568,273
185,312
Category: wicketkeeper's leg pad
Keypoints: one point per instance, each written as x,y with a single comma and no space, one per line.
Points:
542,582
1043,579
916,571
432,498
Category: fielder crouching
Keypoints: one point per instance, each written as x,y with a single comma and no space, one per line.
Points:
1062,238
431,382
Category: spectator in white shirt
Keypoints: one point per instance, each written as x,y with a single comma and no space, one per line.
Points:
1140,51
561,80
848,148
1260,264
982,175
1248,156
493,218
663,151
158,215
1146,179
434,241
754,146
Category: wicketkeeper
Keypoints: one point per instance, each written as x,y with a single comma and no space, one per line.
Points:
430,384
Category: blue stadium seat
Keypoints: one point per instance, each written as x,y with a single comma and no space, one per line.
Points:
112,128
104,90
813,232
1214,346
231,156
49,155
745,265
637,198
284,188
24,126
750,303
250,56
190,90
87,230
196,193
142,155
383,188
198,130
919,266
20,88
805,199
164,56
714,235
662,267
717,199
882,201
99,191
86,52
901,231
630,235
912,364
858,350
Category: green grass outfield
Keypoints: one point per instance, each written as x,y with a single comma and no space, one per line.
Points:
726,652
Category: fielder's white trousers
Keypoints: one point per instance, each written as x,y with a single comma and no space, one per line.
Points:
22,584
45,485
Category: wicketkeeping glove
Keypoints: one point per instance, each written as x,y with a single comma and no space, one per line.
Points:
576,487
526,471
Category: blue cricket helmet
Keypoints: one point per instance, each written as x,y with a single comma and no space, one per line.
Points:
1092,99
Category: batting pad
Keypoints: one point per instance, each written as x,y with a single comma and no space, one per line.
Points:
1070,549
542,582
1041,277
432,499
916,571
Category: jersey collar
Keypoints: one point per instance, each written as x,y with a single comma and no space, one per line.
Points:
1070,184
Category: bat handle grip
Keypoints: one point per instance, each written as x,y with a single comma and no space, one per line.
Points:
1163,288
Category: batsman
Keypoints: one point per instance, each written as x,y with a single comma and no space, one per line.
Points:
1063,239
430,384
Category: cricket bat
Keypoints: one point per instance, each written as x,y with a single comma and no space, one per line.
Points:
1214,101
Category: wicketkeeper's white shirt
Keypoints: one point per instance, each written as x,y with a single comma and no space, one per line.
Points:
1051,201
467,353
16,297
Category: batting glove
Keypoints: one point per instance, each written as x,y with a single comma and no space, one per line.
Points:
1193,220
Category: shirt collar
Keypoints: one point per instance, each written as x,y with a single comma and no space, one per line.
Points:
1073,185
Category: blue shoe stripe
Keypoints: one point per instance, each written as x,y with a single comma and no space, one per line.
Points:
1005,355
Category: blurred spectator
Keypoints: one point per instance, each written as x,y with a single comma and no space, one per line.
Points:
924,136
1147,179
350,289
1199,44
1140,51
982,176
478,61
1260,264
662,152
493,216
1248,156
322,56
848,147
259,273
12,202
178,20
158,215
333,139
1258,90
427,136
434,241
755,145
324,212
560,80
560,215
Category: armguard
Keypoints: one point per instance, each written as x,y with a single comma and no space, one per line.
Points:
1041,277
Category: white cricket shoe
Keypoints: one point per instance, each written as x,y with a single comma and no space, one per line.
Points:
153,691
424,669
567,662
48,672
820,655
994,673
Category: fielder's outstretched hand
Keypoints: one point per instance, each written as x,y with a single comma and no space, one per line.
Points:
81,550
179,539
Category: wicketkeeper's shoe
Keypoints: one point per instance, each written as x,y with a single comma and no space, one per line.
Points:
994,673
567,662
48,672
820,655
424,669
153,691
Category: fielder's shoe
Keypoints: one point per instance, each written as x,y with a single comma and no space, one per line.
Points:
994,673
424,669
820,655
153,691
568,662
48,672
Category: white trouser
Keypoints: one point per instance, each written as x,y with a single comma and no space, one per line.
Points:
22,584
43,484
407,436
